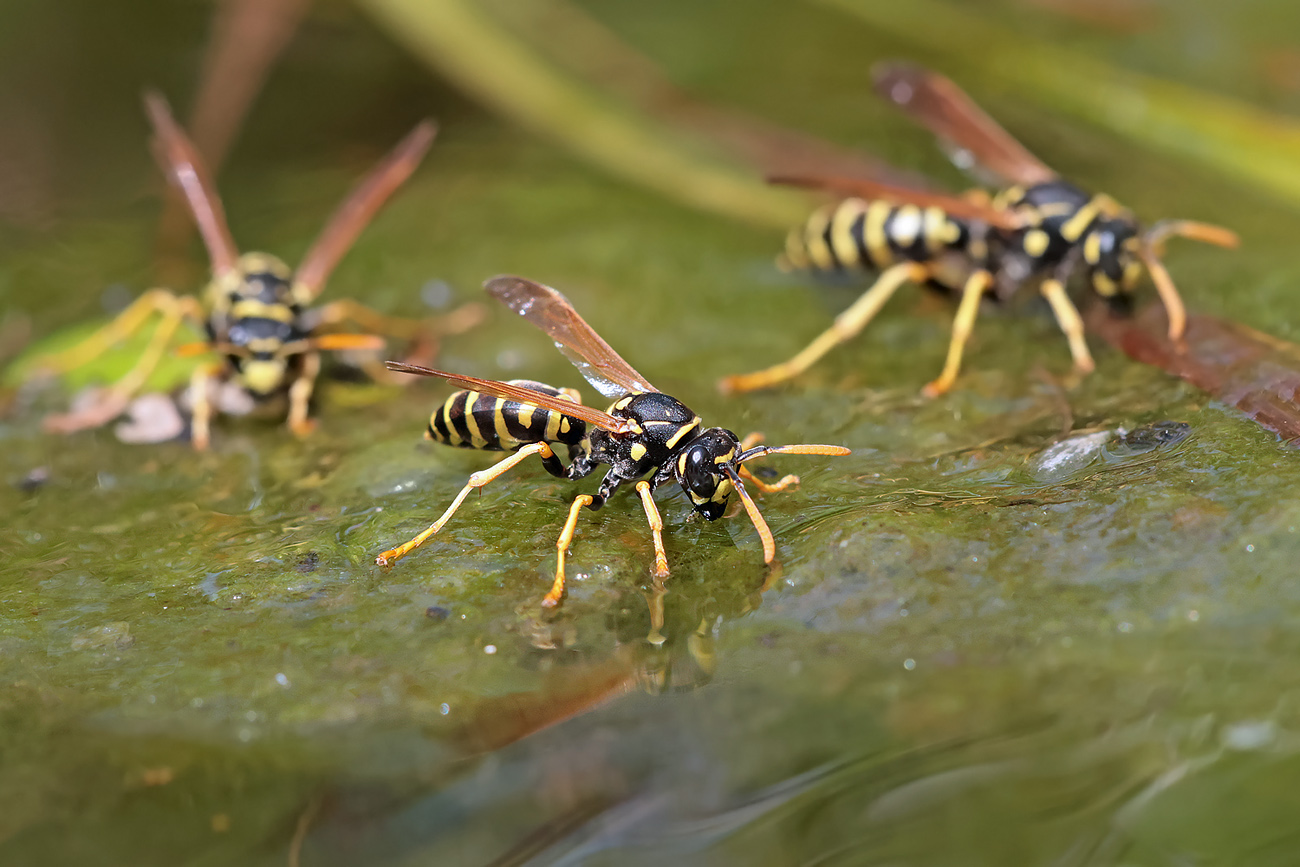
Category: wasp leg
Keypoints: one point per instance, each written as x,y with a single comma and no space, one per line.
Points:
201,406
123,326
846,326
477,480
457,321
1067,316
300,395
962,325
552,598
656,527
173,308
769,488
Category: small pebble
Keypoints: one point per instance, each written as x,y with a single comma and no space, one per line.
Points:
35,479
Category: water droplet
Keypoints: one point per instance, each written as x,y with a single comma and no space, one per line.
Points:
909,664
282,679
445,709
490,649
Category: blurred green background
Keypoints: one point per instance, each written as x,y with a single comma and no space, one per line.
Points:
975,651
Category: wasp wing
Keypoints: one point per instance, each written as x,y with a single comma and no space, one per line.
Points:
866,188
360,207
185,169
948,112
518,393
550,311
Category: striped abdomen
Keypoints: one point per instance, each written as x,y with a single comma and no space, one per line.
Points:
471,420
862,234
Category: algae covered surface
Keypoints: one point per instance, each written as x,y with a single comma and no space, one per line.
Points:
1036,621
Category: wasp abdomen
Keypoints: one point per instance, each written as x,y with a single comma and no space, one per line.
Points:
872,235
471,420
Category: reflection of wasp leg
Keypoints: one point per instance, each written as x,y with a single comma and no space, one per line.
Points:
1067,316
300,395
477,480
656,527
174,309
562,544
846,326
962,325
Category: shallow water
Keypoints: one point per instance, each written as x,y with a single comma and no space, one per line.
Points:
981,646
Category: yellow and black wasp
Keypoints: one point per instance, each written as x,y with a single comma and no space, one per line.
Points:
1042,230
256,311
644,433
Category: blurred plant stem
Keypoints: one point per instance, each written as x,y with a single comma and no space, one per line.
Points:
1247,143
507,74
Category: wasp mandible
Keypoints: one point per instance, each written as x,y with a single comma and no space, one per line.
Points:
1041,230
646,437
256,311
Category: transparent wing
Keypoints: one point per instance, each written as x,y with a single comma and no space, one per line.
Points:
946,110
184,167
550,311
360,207
867,188
518,393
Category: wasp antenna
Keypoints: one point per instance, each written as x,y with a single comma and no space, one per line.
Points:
755,516
796,449
1206,233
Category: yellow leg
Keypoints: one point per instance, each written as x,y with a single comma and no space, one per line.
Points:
562,544
300,395
117,397
656,527
477,480
201,408
171,320
846,326
779,485
123,326
1068,318
461,319
962,324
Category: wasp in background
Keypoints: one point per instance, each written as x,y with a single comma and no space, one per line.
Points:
256,311
645,433
1041,231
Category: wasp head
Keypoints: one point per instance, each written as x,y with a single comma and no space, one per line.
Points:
706,468
1112,250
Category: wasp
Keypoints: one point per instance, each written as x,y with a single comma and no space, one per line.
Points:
646,437
1040,230
256,313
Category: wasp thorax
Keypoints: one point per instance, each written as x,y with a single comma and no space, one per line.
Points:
704,468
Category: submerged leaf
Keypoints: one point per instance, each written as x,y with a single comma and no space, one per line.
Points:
1255,372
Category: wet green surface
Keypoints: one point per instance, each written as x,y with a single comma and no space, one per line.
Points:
979,648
